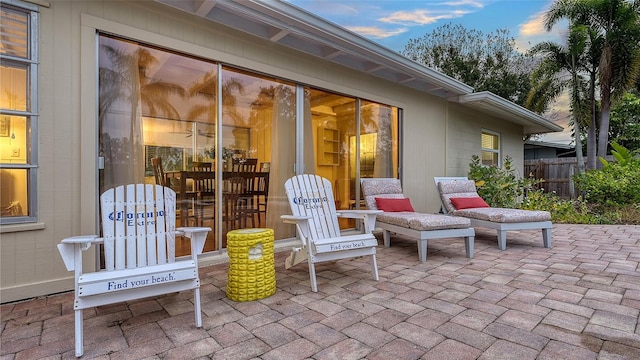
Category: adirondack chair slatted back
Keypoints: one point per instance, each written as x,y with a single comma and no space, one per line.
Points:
139,233
138,222
316,219
312,195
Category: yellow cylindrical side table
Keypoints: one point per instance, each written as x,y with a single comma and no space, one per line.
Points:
252,273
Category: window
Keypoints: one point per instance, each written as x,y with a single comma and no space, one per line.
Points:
490,148
18,119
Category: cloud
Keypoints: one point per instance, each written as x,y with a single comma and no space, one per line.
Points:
534,26
329,7
420,17
376,32
473,3
533,31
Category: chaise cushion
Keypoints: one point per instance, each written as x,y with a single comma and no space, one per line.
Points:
456,189
388,188
420,222
502,215
467,188
394,205
469,202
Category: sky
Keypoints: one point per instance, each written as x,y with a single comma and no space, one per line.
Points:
392,23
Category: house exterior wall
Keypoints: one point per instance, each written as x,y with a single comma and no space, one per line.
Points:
439,137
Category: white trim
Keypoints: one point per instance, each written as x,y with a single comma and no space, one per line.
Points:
493,104
491,150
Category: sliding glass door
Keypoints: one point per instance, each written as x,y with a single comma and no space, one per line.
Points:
202,121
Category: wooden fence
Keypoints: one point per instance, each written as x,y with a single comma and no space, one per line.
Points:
556,173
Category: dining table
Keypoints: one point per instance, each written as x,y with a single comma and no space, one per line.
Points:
178,181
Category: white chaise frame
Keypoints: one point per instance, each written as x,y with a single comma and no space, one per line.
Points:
502,227
138,222
422,237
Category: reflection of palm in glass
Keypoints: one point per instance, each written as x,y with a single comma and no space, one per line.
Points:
125,91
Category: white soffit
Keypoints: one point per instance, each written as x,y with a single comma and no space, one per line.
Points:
290,26
287,25
495,105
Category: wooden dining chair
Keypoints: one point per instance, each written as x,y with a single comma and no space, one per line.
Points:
244,165
246,168
205,190
232,190
162,180
261,195
158,171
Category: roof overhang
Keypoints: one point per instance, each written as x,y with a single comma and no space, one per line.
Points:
285,24
546,144
492,104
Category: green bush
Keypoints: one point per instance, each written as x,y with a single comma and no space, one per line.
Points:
500,186
616,184
566,211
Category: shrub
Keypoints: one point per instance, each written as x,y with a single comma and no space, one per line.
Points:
565,211
500,186
616,184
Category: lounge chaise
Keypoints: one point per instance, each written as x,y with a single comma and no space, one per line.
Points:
399,217
460,198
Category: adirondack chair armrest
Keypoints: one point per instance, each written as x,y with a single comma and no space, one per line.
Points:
81,239
358,214
197,235
368,217
301,223
293,219
68,247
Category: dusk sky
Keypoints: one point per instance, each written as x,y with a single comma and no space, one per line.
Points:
393,23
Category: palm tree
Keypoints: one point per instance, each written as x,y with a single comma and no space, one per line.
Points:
125,79
207,88
562,68
616,25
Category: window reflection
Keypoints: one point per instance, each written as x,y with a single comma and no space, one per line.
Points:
18,120
13,195
156,104
344,154
490,154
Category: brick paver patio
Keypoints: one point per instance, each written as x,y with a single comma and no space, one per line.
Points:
577,300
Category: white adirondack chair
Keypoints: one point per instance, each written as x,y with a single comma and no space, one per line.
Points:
316,219
138,223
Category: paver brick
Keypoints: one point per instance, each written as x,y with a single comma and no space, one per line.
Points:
560,350
502,349
369,335
386,319
348,349
452,350
463,334
275,335
518,336
519,319
577,300
617,321
415,334
322,335
474,319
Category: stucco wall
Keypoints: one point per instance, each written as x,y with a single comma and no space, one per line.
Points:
439,137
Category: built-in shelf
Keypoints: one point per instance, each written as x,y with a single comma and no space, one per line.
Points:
328,146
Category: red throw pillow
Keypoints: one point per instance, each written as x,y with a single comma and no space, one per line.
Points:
469,203
394,205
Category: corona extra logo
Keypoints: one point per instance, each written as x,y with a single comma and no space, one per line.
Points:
310,203
137,218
